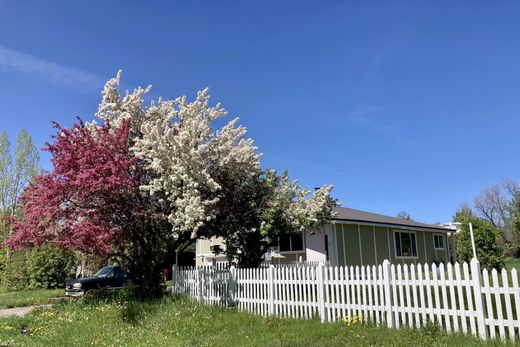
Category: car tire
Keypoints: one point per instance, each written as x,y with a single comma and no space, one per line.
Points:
91,293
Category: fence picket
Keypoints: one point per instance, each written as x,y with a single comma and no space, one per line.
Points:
498,302
516,295
414,295
507,299
395,303
460,299
407,295
437,304
453,300
348,291
401,305
469,298
445,305
489,303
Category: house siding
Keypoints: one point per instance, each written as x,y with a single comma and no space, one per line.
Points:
360,244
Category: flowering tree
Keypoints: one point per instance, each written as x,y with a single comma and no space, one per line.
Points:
147,181
258,215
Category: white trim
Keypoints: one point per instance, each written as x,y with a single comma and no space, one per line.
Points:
395,248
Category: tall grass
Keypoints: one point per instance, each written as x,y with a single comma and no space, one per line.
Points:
28,297
182,322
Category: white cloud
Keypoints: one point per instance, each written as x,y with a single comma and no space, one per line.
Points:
59,74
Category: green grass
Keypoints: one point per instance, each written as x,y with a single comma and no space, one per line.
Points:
28,297
181,322
513,263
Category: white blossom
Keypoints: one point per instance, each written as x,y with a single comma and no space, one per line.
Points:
182,152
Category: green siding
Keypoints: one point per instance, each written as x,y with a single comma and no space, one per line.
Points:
382,244
351,242
378,244
367,244
341,247
430,253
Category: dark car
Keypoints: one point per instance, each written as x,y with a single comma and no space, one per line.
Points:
107,277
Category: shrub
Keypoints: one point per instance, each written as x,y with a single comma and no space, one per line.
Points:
50,267
13,274
489,253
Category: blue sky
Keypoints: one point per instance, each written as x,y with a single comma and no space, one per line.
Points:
401,105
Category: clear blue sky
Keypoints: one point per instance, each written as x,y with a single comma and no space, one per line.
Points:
409,106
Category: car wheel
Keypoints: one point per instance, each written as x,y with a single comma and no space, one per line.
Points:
91,293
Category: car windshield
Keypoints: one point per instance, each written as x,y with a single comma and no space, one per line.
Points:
103,272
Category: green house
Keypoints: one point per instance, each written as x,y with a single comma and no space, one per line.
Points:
353,237
363,238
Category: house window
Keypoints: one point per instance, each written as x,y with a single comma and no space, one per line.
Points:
438,241
291,243
405,244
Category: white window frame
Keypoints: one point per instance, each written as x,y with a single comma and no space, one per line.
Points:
416,248
290,246
442,238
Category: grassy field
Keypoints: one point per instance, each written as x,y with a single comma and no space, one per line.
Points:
28,297
181,322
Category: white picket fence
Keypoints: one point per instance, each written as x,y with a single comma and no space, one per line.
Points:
456,297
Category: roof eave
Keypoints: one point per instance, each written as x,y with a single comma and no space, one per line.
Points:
393,225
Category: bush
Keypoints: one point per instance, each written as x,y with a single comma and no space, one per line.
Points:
13,274
489,253
50,267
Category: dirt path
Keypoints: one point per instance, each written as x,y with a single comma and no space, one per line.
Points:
19,311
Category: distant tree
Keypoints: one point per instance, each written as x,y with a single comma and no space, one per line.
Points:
15,173
499,205
463,213
489,253
404,215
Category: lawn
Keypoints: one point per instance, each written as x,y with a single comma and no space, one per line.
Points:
28,297
181,322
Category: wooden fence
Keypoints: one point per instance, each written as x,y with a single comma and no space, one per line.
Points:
456,297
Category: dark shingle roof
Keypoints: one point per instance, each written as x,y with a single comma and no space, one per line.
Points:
349,214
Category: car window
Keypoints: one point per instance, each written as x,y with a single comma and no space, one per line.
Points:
104,272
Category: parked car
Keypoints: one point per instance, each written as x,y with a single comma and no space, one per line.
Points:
110,277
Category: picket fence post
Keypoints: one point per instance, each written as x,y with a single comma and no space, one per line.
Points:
389,302
232,287
174,279
199,283
270,290
321,291
477,293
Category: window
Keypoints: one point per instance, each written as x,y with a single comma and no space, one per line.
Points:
291,243
405,244
438,241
